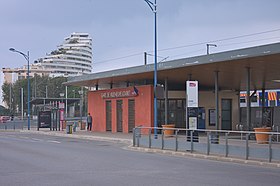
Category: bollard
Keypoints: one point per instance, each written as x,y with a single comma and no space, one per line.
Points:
150,138
176,142
247,147
226,136
133,130
208,142
191,141
269,149
138,136
162,139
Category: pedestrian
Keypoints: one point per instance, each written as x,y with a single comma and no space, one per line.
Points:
89,122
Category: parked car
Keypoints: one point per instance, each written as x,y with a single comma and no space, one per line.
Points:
4,119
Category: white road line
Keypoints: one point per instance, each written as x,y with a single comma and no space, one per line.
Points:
53,141
36,139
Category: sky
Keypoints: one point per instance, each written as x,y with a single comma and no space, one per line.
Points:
122,30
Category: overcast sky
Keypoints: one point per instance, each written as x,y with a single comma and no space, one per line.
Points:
122,28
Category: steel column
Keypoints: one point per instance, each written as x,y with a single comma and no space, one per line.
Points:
166,101
217,98
248,110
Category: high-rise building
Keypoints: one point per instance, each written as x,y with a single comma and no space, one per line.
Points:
73,57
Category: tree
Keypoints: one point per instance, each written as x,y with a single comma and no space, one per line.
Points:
4,111
38,84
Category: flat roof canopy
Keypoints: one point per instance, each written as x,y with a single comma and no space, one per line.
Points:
263,62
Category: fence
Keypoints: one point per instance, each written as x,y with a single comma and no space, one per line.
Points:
238,144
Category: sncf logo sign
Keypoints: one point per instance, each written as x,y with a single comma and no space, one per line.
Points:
192,84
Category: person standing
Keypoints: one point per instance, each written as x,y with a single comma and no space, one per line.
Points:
89,122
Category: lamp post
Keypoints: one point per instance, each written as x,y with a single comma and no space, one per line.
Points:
209,45
153,7
26,56
81,92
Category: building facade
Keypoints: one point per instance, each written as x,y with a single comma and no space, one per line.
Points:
221,77
73,57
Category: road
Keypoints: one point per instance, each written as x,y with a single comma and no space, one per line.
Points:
35,160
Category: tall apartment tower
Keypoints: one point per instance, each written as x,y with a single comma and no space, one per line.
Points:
73,57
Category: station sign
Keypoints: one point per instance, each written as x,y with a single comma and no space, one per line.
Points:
192,93
120,93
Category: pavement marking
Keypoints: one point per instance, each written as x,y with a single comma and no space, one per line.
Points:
52,141
36,139
23,137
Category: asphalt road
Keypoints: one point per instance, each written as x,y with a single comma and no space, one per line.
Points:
35,160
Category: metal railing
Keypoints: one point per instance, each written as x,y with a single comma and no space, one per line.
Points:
235,144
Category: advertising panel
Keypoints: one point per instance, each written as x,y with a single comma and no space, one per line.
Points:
44,119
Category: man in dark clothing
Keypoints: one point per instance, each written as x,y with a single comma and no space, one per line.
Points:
89,122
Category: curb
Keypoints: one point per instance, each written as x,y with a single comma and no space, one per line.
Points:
207,157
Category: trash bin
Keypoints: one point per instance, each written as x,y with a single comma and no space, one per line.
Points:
69,128
82,125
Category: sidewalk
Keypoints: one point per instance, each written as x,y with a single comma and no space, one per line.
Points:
83,134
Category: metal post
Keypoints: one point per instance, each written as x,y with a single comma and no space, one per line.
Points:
26,56
248,100
247,147
145,58
138,136
176,138
21,103
28,92
150,139
153,7
166,101
263,104
226,136
208,142
10,106
66,96
191,141
217,98
162,139
155,73
133,137
269,149
277,128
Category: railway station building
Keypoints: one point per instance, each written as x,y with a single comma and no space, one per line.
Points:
227,82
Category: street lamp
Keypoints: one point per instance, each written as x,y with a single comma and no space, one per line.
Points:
81,92
209,45
153,7
26,56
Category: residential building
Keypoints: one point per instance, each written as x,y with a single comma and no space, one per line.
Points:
73,57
